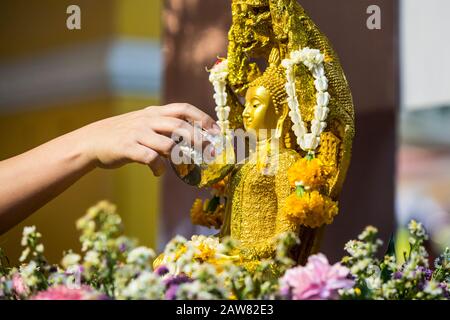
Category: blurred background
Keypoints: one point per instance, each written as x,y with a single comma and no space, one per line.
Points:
132,53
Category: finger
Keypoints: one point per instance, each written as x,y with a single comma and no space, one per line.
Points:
190,113
175,128
159,143
142,154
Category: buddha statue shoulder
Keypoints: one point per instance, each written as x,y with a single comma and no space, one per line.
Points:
299,112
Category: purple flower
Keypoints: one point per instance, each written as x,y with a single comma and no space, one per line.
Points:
317,280
444,288
398,275
122,247
171,293
162,270
176,280
426,271
173,283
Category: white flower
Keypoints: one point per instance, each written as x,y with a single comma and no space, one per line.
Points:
140,255
220,98
40,248
290,89
313,55
296,56
219,72
92,258
321,84
319,58
310,65
290,75
28,273
27,231
432,288
147,286
317,127
323,98
299,129
24,255
318,71
295,117
309,142
321,113
220,67
222,113
287,63
70,259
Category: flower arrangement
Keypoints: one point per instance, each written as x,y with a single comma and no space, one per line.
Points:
308,205
113,266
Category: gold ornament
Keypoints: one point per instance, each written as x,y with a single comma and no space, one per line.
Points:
259,206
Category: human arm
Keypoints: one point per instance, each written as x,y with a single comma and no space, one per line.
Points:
30,180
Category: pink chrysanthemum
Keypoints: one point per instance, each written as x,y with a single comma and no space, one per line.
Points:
19,287
317,280
62,292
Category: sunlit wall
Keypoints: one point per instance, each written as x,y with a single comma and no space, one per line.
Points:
54,80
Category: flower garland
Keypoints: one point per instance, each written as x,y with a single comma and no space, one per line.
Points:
313,60
218,77
309,176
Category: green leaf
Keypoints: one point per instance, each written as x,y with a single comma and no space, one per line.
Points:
310,156
391,247
213,203
300,191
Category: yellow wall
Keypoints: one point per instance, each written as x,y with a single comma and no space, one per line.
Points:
34,27
30,26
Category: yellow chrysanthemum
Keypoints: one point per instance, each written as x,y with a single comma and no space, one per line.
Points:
311,173
211,219
311,209
206,253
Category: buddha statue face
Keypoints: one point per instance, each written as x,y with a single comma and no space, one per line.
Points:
259,112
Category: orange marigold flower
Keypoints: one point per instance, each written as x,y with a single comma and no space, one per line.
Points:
310,173
219,188
312,209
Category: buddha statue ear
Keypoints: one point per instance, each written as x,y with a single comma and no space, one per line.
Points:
282,114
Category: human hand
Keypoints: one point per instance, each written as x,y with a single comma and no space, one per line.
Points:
142,136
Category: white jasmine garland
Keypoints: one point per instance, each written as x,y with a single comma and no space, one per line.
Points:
313,59
218,78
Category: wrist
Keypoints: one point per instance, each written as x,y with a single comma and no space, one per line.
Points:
81,151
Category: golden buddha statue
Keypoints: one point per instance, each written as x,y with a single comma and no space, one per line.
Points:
292,179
